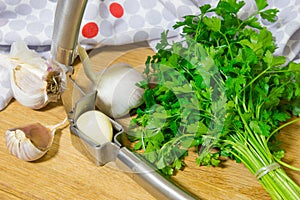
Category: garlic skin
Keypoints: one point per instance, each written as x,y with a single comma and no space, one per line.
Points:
29,143
117,92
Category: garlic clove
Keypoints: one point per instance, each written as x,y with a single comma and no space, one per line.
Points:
30,142
27,88
20,53
39,135
22,149
117,90
96,126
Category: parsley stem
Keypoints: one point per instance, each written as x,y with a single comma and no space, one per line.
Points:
248,19
143,142
254,79
276,182
282,126
198,28
244,100
287,165
281,71
258,107
228,44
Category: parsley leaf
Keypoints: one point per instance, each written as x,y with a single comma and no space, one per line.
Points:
220,88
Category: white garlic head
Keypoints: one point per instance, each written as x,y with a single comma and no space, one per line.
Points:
117,90
30,142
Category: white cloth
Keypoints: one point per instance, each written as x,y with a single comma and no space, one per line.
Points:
5,89
120,22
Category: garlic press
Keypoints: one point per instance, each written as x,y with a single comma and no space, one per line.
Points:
131,163
77,100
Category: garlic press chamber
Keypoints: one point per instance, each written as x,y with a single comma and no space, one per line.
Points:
130,163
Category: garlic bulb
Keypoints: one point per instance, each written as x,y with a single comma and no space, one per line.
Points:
30,142
117,90
96,126
33,81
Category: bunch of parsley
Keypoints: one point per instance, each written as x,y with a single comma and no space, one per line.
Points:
221,87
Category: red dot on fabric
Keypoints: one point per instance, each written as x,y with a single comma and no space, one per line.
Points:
90,30
116,10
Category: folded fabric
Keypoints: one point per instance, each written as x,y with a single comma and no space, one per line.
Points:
112,22
120,22
5,89
104,22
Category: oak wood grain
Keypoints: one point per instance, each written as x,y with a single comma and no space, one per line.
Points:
64,173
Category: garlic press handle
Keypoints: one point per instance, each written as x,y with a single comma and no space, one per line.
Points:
147,177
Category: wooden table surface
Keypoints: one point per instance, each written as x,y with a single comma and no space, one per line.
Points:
64,173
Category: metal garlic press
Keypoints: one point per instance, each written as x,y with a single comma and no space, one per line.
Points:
77,100
132,164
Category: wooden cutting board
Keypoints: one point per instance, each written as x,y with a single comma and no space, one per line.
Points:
64,173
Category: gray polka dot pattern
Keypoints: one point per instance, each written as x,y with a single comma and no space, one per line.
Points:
32,20
12,2
136,21
140,20
140,36
103,11
106,28
38,4
28,20
287,24
120,26
23,9
92,12
131,6
146,4
113,22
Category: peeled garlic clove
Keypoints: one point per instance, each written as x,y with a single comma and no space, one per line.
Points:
117,90
96,126
29,143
